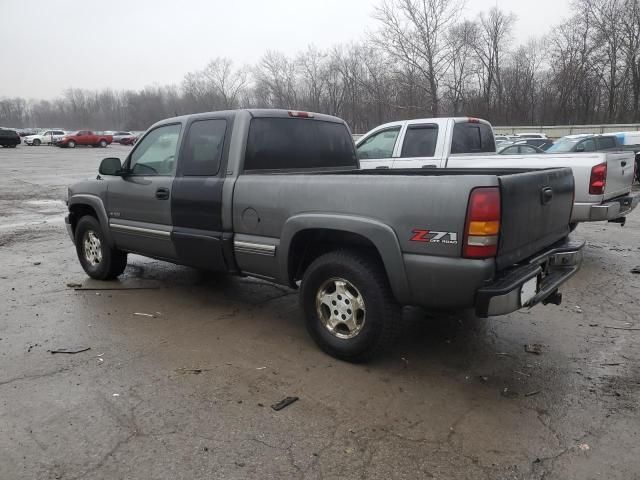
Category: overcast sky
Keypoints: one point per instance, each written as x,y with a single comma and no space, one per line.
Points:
48,46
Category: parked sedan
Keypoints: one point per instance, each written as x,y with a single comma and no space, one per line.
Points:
9,138
519,149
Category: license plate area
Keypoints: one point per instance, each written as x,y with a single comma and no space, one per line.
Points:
528,291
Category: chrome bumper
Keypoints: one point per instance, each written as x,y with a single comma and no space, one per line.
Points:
551,268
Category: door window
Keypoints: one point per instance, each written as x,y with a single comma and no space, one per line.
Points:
587,146
203,148
156,153
379,145
420,141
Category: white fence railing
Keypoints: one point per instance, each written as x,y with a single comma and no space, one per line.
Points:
557,131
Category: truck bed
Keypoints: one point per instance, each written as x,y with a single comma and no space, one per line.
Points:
429,199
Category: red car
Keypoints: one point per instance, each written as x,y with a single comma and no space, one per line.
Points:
85,137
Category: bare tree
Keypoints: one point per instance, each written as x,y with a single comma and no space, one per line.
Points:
491,49
414,33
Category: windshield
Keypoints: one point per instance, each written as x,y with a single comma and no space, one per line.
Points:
563,145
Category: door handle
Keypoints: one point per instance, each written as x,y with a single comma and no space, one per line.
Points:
624,163
379,168
429,166
162,194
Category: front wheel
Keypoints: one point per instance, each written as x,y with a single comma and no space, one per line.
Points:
349,309
71,144
36,142
98,260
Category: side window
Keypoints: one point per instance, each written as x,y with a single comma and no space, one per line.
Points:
472,138
202,150
420,141
587,146
156,153
379,145
605,143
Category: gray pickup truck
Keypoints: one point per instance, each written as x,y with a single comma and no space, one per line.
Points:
278,195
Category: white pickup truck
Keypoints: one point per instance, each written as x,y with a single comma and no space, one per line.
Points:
603,180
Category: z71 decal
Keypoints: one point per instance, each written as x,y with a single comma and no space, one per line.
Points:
431,236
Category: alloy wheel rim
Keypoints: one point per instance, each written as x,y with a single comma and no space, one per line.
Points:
92,248
341,308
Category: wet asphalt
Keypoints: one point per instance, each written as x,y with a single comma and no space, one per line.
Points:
183,368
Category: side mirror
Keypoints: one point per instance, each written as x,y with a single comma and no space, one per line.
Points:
110,166
580,148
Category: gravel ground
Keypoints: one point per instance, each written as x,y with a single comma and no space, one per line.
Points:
184,392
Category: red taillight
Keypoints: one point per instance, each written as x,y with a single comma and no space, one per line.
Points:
296,114
482,228
473,120
598,180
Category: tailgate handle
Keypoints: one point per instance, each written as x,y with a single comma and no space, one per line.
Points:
546,195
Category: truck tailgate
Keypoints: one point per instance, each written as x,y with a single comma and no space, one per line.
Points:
620,166
536,208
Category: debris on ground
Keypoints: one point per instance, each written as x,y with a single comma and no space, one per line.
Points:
522,373
484,378
37,263
508,393
636,270
577,309
74,285
534,348
193,371
584,447
70,350
631,329
531,394
145,315
284,403
115,395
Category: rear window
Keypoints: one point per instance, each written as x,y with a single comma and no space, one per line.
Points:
420,141
472,138
293,143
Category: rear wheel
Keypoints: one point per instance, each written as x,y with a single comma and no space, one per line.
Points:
71,144
36,142
349,309
98,260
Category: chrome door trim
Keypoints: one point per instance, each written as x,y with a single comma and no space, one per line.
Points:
254,248
144,231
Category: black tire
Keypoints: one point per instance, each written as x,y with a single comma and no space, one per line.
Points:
112,262
380,318
103,144
71,144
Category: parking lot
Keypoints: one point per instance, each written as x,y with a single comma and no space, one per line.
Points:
183,368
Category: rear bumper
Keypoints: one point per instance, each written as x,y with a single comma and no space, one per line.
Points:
531,283
610,210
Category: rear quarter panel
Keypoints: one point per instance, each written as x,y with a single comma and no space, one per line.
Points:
405,203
